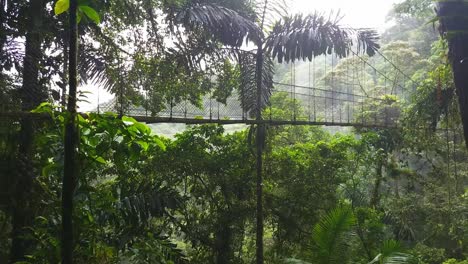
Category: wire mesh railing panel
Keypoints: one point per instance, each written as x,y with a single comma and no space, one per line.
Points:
328,90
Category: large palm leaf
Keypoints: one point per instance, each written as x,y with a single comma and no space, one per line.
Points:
270,10
331,235
390,253
223,24
305,37
248,87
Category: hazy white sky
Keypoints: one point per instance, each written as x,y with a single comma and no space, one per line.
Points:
357,13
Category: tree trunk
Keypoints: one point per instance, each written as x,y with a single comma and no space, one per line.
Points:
223,244
459,57
63,99
2,24
259,144
378,182
31,94
71,143
454,27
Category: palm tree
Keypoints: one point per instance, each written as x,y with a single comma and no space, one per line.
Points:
333,235
291,38
454,28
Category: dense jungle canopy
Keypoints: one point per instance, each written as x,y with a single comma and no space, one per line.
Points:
105,188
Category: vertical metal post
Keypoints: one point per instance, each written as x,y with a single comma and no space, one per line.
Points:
325,92
211,105
98,103
291,91
171,106
348,92
146,103
294,93
333,89
309,93
362,112
315,85
271,111
121,93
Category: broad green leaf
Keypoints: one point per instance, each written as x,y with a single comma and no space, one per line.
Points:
78,16
129,119
61,6
160,143
100,159
143,144
45,107
142,128
90,13
47,169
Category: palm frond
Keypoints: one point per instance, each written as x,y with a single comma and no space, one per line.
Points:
300,37
295,261
95,67
331,235
390,253
273,10
154,248
248,83
138,209
133,214
222,24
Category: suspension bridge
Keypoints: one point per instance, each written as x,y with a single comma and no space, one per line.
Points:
354,91
357,91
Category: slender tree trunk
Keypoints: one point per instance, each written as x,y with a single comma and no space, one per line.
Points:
63,99
71,143
378,182
31,94
223,243
260,140
259,143
2,24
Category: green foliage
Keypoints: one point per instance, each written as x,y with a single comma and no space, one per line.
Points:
454,261
213,172
314,35
332,237
391,254
142,198
118,197
428,255
90,13
62,6
227,82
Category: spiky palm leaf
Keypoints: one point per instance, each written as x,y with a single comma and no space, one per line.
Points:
331,235
272,10
135,215
295,261
391,254
305,37
94,67
138,209
248,83
223,24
